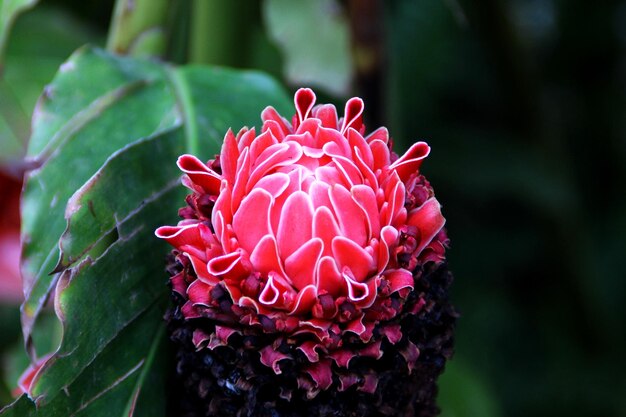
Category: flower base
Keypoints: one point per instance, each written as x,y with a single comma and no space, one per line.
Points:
230,380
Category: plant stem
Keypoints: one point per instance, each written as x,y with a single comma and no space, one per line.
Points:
138,28
220,30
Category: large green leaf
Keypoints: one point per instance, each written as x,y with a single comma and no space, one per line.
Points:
106,134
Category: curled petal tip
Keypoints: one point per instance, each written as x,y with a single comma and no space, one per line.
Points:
410,162
304,101
353,114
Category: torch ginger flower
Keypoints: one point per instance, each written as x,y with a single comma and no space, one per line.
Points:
310,231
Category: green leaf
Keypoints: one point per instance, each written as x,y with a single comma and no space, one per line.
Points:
137,27
9,9
40,41
314,38
106,135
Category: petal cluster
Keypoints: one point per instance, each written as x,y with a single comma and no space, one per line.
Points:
306,228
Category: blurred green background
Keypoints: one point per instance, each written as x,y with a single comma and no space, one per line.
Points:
524,105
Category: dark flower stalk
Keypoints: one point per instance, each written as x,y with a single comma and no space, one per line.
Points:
309,273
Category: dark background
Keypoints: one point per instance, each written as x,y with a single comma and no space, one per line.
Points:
524,105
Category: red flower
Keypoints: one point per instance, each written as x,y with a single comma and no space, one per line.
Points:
310,228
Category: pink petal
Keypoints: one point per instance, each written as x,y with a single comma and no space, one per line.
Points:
200,338
294,227
333,143
305,300
330,175
319,193
394,195
325,228
275,130
368,300
410,353
190,311
356,326
252,221
351,218
307,131
179,285
270,294
275,183
366,170
328,276
357,141
399,279
300,265
410,162
428,220
356,290
388,237
281,154
260,143
350,255
294,185
372,350
304,100
381,134
346,381
202,272
397,198
225,332
342,357
327,114
264,257
226,264
366,199
271,357
199,293
314,153
308,348
321,374
219,223
353,115
269,113
200,174
229,156
245,137
249,303
392,332
241,180
184,238
380,151
352,174
232,288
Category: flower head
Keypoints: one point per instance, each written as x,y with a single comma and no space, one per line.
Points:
310,231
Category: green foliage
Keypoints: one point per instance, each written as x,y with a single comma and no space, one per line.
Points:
41,40
106,136
314,38
9,9
138,28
